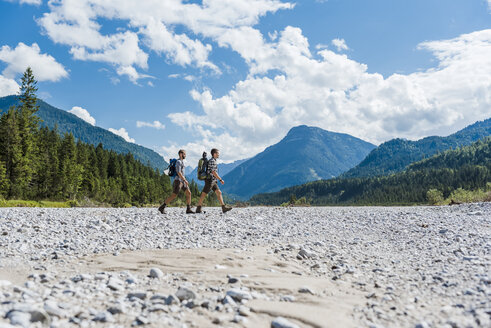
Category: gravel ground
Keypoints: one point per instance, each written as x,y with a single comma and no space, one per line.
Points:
407,266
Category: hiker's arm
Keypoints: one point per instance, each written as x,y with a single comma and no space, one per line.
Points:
183,178
217,176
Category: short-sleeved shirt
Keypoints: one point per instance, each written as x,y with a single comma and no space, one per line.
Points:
212,166
180,167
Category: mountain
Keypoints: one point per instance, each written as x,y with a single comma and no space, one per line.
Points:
223,169
468,168
305,154
81,130
395,155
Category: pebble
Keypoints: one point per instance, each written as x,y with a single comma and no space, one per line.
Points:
281,322
238,294
156,273
184,293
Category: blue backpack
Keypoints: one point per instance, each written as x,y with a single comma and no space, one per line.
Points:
172,167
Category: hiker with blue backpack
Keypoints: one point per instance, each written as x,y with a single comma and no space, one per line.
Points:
176,170
211,177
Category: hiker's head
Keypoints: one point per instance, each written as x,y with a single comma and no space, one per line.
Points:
204,154
215,153
182,154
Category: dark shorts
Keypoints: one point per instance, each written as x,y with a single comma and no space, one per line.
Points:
178,186
209,186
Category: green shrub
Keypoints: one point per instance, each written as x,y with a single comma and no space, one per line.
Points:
434,196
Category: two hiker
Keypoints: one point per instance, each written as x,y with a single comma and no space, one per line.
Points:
180,183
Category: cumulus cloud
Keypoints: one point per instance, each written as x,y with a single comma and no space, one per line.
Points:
132,74
123,134
151,24
331,91
29,2
8,86
83,114
44,66
155,124
340,44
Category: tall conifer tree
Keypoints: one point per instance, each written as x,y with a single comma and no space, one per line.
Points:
28,125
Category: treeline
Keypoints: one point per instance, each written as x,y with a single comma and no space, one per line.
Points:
466,168
40,164
397,154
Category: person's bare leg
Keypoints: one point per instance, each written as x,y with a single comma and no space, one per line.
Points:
167,202
201,199
170,198
220,199
219,195
188,197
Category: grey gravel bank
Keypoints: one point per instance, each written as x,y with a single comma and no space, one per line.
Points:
412,266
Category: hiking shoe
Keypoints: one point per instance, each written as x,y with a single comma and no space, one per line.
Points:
225,209
162,208
198,210
189,210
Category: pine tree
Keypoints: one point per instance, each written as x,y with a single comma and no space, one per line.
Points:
28,124
10,151
4,182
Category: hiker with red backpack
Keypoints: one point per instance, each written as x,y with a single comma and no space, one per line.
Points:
176,170
211,177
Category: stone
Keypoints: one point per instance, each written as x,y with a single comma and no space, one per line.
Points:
238,294
287,298
54,310
18,318
306,290
116,309
171,299
140,320
229,300
232,280
104,317
115,283
184,293
281,322
140,295
305,254
156,273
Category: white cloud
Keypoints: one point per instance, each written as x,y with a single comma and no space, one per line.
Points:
333,92
44,66
152,24
155,124
340,44
131,73
83,114
8,86
123,134
29,2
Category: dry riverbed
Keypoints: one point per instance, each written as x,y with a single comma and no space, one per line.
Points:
252,267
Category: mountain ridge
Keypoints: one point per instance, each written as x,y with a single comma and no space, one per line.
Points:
304,154
69,123
396,154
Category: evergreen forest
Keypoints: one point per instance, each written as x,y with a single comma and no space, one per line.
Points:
37,163
452,174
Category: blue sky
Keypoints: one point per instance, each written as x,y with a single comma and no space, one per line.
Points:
239,74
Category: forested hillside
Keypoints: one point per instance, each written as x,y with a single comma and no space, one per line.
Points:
468,168
395,155
68,123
